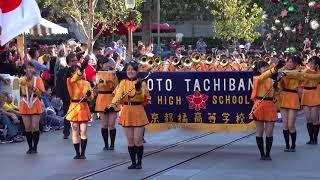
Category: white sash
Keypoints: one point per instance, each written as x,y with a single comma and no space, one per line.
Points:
29,99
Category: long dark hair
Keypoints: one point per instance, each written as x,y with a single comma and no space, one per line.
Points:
257,67
316,61
296,59
133,64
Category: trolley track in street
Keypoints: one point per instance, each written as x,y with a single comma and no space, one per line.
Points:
197,156
115,165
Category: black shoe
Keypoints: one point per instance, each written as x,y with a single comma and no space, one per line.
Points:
29,151
292,150
309,142
105,148
262,158
111,147
34,151
77,157
65,137
267,158
83,157
287,150
132,166
144,141
138,166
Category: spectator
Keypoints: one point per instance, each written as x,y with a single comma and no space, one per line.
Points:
62,91
201,45
12,134
34,54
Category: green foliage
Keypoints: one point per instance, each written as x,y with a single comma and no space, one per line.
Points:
180,10
281,39
236,20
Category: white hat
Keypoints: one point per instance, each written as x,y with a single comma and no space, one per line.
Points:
241,46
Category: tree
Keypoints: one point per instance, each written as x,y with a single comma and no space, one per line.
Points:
236,20
289,22
183,10
90,14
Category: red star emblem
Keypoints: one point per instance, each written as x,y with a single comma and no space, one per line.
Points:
197,101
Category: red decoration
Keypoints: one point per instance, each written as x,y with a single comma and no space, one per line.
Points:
318,6
131,26
197,101
275,1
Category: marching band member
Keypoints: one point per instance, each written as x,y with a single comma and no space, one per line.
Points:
289,103
133,116
310,97
79,113
264,111
106,84
30,106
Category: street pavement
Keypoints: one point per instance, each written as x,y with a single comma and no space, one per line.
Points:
237,160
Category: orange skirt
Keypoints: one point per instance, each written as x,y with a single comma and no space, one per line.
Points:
103,101
266,111
36,108
133,116
310,97
289,100
81,113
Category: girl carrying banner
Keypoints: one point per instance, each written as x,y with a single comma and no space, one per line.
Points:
264,110
79,113
107,81
133,116
30,106
289,102
310,96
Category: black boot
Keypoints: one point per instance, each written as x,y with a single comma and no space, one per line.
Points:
29,140
316,133
293,139
286,138
104,133
132,153
35,137
83,148
77,149
259,141
269,141
113,133
310,128
139,151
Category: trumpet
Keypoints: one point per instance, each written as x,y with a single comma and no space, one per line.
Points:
196,57
254,64
267,58
209,59
187,62
224,62
143,60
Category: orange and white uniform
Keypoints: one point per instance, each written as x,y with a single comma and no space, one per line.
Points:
264,110
105,91
289,97
30,103
132,113
77,89
310,93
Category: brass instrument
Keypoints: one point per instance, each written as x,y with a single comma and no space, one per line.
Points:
150,61
143,60
209,59
157,61
175,61
224,61
267,58
254,64
196,57
187,62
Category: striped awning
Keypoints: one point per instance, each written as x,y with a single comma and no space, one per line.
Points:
45,28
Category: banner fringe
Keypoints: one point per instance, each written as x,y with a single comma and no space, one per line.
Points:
158,127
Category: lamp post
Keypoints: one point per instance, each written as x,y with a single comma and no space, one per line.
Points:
130,4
